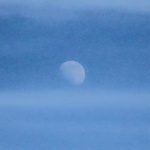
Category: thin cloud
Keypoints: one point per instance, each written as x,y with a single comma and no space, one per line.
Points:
34,8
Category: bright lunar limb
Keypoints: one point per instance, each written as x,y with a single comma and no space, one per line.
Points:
73,71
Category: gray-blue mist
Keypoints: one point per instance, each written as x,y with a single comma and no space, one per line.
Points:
40,110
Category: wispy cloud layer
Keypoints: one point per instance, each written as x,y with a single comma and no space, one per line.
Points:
133,5
101,99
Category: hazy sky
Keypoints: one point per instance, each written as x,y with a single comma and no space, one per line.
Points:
128,5
143,5
40,110
112,45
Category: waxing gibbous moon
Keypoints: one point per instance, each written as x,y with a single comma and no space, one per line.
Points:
73,72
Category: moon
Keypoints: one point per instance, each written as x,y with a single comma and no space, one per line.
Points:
73,71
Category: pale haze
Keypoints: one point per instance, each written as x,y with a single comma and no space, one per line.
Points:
42,107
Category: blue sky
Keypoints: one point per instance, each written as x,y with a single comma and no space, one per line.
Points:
112,45
40,9
127,4
40,110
